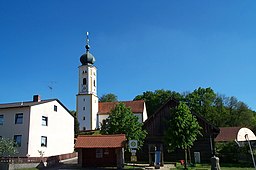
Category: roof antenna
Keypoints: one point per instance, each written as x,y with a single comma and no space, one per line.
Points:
51,86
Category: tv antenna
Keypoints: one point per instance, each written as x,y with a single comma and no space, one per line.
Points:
51,86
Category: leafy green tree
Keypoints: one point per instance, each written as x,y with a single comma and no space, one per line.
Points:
201,101
183,129
7,147
220,110
122,121
220,116
240,114
108,98
155,99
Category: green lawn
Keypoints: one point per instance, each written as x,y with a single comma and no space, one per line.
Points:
180,167
208,167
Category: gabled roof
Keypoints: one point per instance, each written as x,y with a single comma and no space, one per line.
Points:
29,104
227,134
23,104
171,103
100,141
136,106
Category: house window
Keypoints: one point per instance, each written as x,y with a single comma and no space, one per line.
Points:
55,108
17,140
84,128
99,153
19,118
106,152
1,119
84,81
83,108
44,141
94,83
44,121
83,117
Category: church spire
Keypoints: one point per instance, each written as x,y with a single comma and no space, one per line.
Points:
87,42
87,58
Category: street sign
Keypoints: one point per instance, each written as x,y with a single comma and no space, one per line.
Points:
133,151
133,158
133,144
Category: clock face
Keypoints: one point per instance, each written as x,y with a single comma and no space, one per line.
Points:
83,88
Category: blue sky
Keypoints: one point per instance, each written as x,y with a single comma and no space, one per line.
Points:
138,45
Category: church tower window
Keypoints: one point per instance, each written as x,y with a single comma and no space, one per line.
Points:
84,81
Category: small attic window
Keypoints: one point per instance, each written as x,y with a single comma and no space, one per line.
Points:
55,108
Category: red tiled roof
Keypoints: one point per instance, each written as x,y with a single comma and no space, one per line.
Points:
100,141
137,106
227,134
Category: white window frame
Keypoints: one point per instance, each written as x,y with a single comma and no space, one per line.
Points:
44,121
43,141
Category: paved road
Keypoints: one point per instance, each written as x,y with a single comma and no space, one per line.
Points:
71,164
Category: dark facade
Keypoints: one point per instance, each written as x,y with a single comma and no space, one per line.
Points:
156,125
100,157
101,150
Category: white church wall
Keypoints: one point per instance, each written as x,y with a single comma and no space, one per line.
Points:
84,111
102,117
144,114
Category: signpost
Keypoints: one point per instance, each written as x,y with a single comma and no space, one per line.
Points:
133,145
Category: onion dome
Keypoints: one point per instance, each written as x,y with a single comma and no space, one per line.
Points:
87,58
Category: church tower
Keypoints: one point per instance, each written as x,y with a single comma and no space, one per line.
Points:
87,100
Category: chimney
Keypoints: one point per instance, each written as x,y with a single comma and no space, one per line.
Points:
36,98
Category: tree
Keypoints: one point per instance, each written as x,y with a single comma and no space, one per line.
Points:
108,98
155,99
7,147
220,116
122,121
201,101
239,113
183,129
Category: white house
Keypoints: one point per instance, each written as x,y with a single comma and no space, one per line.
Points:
38,125
90,112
